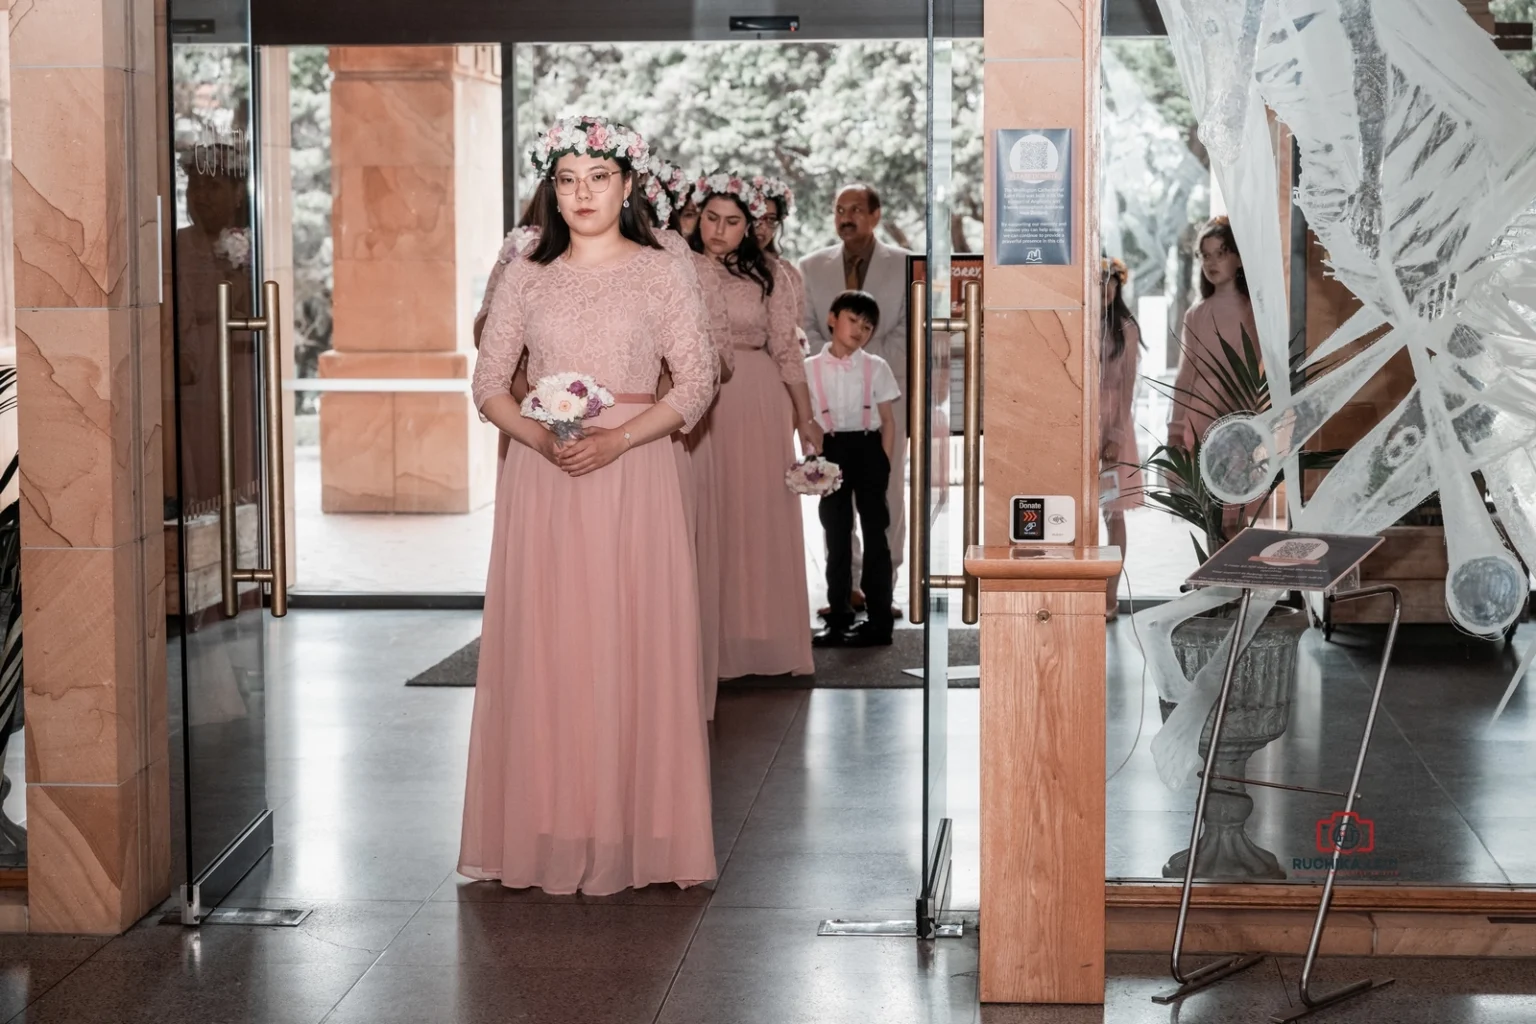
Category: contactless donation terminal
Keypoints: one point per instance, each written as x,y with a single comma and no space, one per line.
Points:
1049,519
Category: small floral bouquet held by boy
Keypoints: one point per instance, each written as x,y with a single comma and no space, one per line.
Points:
814,476
562,401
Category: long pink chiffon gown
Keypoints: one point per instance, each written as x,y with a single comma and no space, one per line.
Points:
695,458
588,751
765,617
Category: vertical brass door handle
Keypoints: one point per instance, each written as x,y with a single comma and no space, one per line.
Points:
277,499
918,431
919,428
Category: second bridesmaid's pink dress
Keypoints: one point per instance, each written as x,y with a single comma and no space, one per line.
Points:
588,750
765,617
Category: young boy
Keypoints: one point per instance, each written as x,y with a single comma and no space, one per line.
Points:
852,392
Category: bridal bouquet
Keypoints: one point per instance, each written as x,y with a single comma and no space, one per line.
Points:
562,401
814,476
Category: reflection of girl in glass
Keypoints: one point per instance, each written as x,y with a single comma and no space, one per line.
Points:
1223,314
1119,354
215,248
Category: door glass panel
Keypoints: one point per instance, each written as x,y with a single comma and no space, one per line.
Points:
220,659
934,490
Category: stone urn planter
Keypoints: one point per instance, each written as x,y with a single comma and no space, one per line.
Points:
1258,712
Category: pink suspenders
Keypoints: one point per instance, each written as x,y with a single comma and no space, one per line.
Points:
819,389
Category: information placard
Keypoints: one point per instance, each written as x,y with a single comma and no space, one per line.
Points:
1033,185
1284,560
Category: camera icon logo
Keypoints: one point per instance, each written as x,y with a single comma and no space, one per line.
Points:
1346,832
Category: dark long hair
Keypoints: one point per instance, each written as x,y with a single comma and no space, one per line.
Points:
1117,314
536,210
1219,227
748,260
555,237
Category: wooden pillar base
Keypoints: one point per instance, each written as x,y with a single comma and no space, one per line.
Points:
1042,772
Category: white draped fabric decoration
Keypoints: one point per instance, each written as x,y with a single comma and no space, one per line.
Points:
1418,157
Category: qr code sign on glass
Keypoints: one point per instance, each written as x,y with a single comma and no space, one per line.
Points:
1033,155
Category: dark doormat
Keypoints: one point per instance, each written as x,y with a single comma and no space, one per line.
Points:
873,668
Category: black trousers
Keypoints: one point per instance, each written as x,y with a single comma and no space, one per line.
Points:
866,473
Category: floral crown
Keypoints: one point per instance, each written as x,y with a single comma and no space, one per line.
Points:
589,136
733,185
674,180
773,188
660,199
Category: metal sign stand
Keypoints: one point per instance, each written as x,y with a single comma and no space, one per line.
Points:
1193,981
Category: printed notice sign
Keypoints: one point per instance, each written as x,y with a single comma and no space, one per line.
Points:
1034,196
1284,560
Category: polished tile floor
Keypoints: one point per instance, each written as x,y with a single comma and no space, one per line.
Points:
817,799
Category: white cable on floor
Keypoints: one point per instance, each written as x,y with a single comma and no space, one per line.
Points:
1141,718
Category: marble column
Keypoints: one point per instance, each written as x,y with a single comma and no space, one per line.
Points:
416,219
86,184
1041,373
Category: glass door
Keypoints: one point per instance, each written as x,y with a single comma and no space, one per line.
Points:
935,583
221,506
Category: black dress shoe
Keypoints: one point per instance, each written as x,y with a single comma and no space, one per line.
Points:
866,635
832,636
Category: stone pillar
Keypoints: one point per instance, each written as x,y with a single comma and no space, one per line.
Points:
1043,640
1041,376
416,218
86,153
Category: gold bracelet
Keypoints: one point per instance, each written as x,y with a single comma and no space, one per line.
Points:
628,444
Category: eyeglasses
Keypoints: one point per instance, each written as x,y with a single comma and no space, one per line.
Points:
597,181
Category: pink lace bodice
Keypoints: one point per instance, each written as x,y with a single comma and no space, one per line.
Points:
616,323
759,322
1209,322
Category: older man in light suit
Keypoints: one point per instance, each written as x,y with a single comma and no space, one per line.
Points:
862,262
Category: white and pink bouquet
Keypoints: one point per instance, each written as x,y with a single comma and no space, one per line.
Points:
814,476
234,247
563,401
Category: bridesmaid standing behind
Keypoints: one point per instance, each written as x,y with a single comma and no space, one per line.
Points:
588,751
781,203
765,618
1223,314
1119,460
695,451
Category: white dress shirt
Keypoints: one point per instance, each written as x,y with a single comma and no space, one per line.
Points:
846,394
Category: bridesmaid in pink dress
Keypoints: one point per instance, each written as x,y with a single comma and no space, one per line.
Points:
1119,460
781,202
694,451
588,753
765,620
1223,313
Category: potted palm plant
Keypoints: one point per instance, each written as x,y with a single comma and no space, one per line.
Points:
1265,679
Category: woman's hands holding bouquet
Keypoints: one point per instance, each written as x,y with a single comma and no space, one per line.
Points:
591,452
